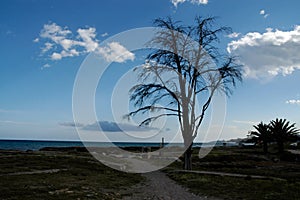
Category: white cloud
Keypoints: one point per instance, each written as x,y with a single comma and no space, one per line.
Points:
54,32
63,44
73,52
46,66
198,2
263,13
47,47
58,37
265,55
115,52
36,40
104,34
234,35
15,122
88,38
176,2
56,56
66,43
245,122
63,53
293,101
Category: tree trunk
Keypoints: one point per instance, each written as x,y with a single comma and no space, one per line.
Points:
188,158
280,146
265,147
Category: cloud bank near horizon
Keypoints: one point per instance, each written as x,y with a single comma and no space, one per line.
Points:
107,126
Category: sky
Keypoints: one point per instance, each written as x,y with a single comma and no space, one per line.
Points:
44,44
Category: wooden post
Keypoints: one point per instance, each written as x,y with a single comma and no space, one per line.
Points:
162,142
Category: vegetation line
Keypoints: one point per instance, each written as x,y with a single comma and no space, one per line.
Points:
48,171
230,174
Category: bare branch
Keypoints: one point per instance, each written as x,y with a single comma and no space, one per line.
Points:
147,121
151,109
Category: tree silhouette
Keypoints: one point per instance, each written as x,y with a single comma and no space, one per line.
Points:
175,75
282,132
262,134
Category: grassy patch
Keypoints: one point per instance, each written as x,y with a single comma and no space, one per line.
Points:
81,177
241,161
238,188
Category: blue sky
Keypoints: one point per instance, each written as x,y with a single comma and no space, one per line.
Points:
37,71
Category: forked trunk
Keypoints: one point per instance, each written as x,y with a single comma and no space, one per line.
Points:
188,158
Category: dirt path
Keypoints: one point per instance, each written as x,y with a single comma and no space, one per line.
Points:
231,175
160,187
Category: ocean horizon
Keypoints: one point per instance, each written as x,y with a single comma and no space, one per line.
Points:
35,145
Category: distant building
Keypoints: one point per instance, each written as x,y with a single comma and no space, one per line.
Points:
247,144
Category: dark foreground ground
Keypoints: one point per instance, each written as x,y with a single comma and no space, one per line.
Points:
226,173
239,173
60,175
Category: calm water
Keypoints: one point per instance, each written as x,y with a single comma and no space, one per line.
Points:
36,145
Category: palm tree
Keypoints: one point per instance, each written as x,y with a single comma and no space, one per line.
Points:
262,134
282,131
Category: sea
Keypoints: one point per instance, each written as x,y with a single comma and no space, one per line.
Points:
36,145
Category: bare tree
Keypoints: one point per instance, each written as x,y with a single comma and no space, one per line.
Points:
186,66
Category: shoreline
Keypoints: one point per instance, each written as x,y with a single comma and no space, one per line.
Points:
39,144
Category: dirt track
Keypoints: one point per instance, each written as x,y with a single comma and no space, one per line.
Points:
160,187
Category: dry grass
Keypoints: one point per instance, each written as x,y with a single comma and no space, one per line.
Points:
80,177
